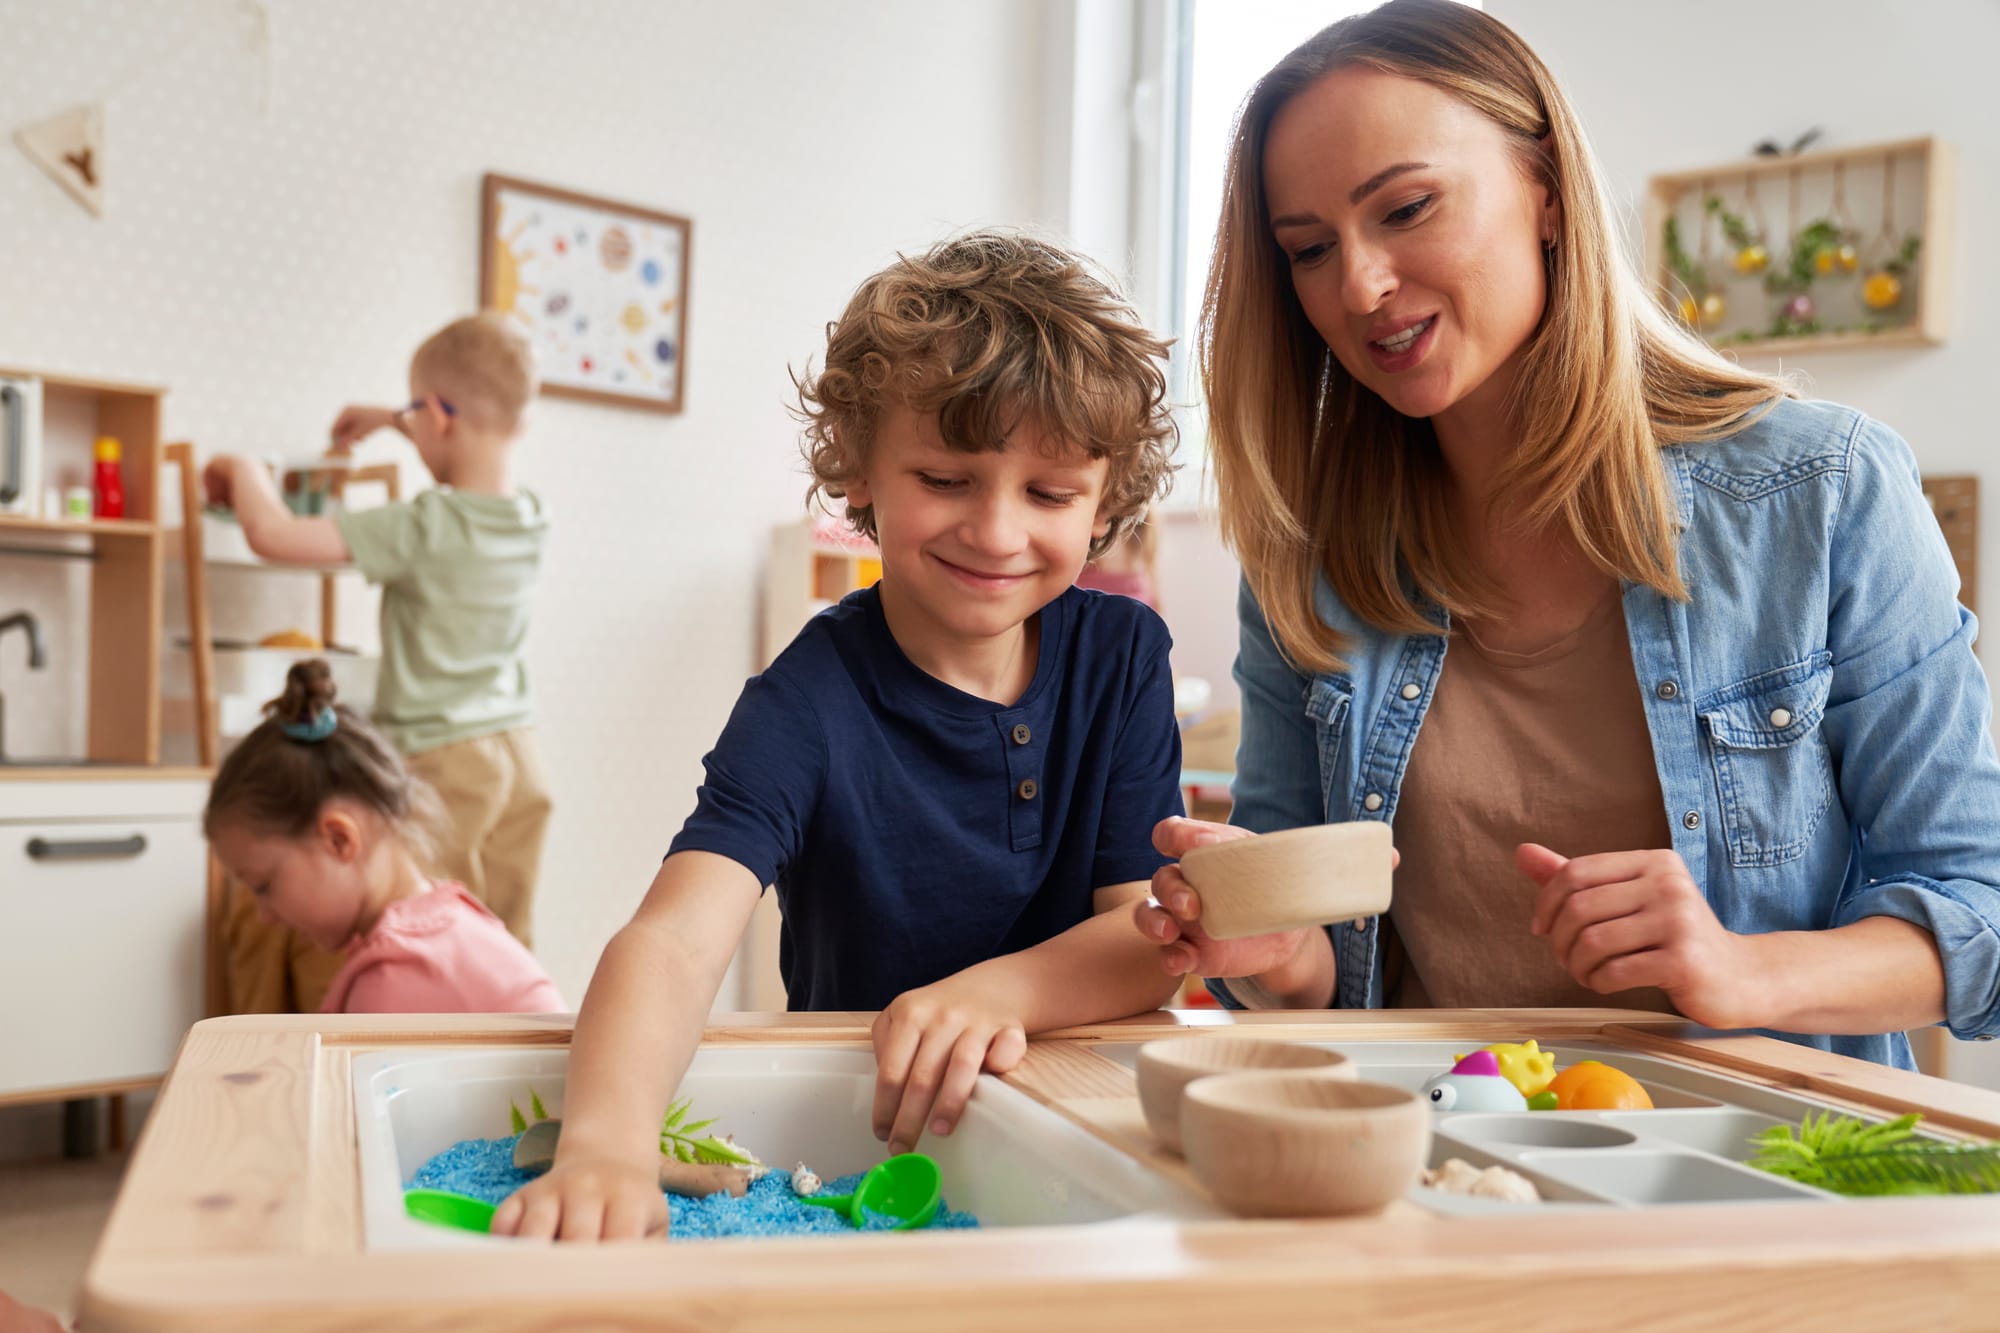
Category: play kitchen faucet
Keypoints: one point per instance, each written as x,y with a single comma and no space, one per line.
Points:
38,657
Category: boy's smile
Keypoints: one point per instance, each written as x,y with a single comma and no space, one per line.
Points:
974,544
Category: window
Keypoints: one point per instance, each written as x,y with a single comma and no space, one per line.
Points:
1220,49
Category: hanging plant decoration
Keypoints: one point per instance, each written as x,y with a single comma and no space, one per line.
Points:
1745,233
1889,259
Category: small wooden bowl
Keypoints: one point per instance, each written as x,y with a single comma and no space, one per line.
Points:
1290,880
1168,1065
1289,1145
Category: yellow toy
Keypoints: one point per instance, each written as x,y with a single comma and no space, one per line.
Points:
1524,1064
1588,1085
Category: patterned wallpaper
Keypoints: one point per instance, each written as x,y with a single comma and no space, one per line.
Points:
271,267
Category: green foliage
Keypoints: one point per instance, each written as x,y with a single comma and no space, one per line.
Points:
1817,235
1846,1155
1733,226
1679,263
1899,263
519,1121
534,1100
678,1139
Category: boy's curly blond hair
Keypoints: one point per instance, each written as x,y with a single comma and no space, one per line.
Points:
988,330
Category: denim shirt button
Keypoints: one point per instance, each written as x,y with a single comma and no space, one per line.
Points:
1781,717
1372,801
1412,690
1667,689
1691,820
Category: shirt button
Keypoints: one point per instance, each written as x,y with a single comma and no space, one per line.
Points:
1372,801
1781,717
1027,789
1691,820
1021,733
1667,689
1412,690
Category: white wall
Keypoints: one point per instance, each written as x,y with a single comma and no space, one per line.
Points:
1665,88
271,268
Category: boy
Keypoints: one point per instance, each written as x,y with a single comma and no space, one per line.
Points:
457,566
951,777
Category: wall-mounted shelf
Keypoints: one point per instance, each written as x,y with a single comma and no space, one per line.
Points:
1845,249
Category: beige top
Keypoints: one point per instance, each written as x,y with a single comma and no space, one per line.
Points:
1549,747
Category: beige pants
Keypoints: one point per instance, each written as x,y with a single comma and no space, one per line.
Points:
267,969
498,804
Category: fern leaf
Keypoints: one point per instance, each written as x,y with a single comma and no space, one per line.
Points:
697,1127
1847,1155
714,1150
518,1120
535,1102
683,1152
675,1114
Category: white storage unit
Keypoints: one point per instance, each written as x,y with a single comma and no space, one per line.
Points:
102,895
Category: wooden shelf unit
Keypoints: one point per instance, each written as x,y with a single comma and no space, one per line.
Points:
123,725
1925,203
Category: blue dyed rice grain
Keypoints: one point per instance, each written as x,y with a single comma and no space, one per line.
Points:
484,1169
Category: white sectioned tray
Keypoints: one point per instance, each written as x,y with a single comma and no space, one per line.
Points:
1012,1162
1691,1148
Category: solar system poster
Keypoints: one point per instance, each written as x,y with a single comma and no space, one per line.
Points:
599,287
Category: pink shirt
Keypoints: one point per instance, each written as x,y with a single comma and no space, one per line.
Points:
440,952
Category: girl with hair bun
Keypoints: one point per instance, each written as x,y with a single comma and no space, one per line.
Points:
317,815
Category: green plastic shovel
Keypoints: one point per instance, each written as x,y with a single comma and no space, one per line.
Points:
907,1187
445,1209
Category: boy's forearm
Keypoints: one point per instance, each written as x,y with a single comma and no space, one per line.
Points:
648,1002
255,499
632,1043
1093,972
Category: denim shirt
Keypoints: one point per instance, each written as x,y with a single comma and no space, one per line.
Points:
1819,723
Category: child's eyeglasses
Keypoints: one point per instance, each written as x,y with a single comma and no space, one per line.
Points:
416,404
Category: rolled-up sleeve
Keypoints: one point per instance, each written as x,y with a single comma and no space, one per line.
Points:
1909,723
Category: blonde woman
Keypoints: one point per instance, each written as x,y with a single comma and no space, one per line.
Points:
1658,671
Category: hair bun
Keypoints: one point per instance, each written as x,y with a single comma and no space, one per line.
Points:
308,692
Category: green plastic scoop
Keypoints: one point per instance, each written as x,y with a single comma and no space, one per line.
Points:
907,1187
445,1209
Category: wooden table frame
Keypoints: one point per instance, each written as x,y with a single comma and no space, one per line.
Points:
242,1210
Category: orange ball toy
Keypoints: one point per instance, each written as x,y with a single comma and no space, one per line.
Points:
1588,1085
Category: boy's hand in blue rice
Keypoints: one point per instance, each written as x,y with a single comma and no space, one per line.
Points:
930,1046
587,1197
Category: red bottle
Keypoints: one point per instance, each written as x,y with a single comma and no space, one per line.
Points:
110,486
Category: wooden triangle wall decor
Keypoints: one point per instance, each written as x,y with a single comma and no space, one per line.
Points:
70,148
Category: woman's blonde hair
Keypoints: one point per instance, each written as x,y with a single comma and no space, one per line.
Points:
1318,475
987,330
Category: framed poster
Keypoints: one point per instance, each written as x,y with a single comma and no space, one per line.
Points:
600,288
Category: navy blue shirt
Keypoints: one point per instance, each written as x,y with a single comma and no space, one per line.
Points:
912,829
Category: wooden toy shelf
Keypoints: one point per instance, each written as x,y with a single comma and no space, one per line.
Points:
124,555
243,1209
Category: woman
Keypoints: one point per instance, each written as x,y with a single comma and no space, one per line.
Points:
1658,671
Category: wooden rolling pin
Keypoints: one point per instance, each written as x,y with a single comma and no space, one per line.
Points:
535,1151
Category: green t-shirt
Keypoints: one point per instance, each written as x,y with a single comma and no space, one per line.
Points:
457,572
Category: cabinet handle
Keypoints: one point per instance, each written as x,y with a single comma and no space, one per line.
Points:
42,849
13,412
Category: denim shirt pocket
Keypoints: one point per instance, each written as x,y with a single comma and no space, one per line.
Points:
1773,774
1329,700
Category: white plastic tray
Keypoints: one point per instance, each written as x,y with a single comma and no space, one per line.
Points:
1012,1162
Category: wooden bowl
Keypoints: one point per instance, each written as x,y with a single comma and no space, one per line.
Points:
1276,1144
1290,880
1168,1065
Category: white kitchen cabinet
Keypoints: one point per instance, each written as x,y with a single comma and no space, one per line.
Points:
102,895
